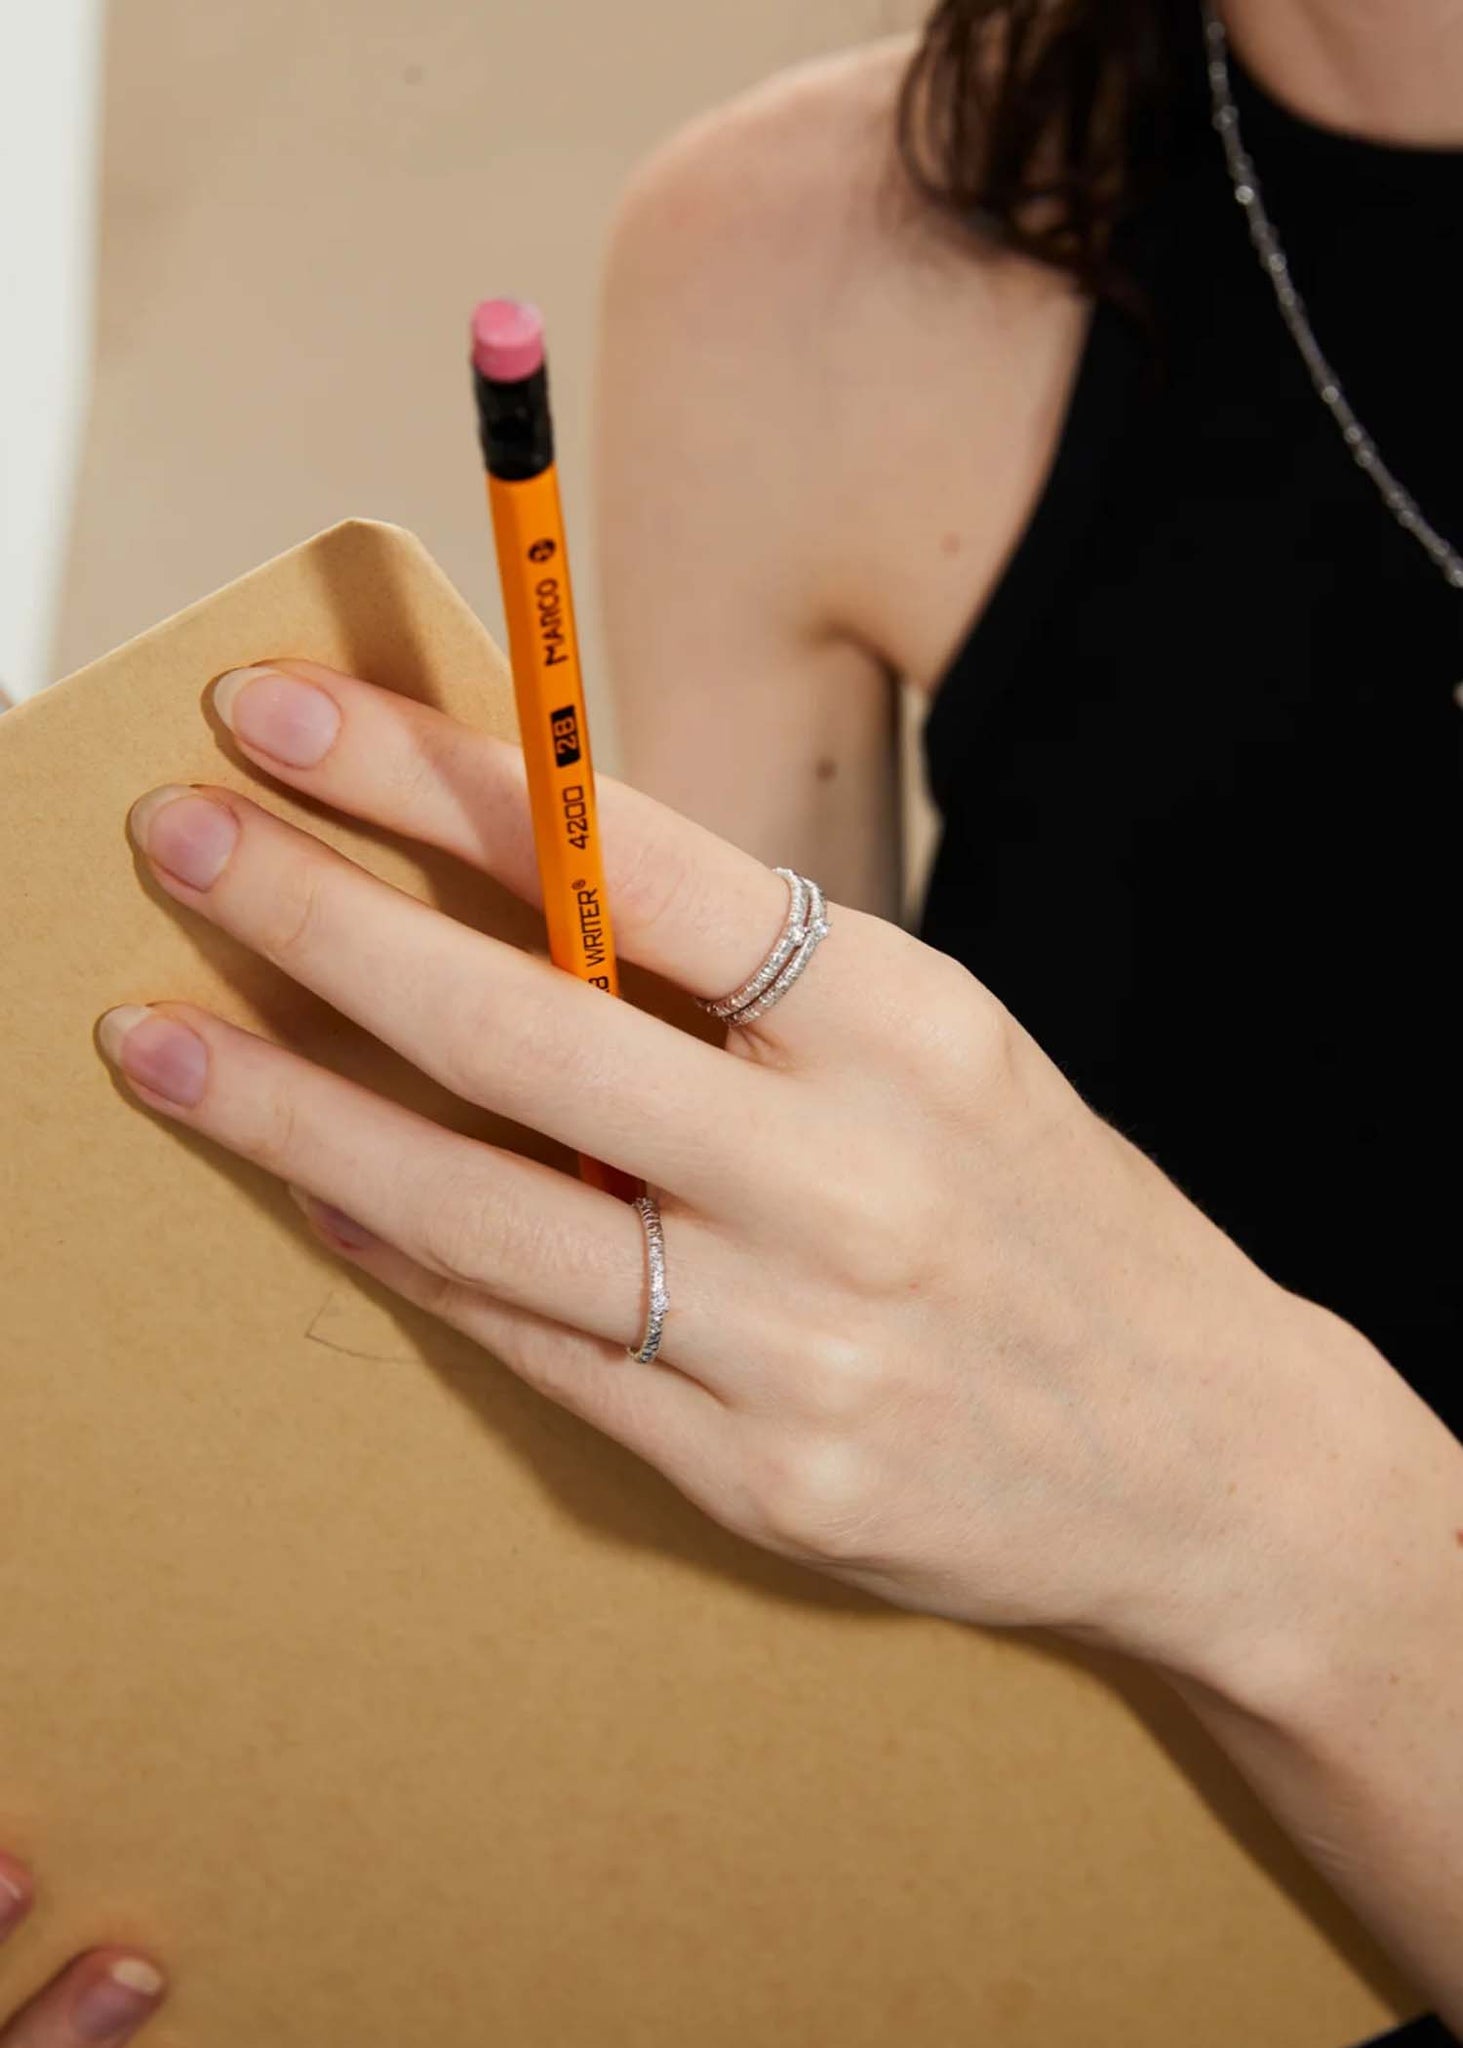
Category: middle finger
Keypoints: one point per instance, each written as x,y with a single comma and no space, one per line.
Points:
499,1027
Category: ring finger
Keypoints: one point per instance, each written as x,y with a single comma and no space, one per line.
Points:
687,904
664,1417
476,1217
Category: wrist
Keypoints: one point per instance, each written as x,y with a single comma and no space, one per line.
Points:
1351,1565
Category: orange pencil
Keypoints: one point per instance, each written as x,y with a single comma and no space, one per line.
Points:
511,383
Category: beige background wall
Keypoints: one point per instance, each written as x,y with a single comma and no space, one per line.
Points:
301,201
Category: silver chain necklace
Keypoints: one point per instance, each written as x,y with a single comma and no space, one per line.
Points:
1364,452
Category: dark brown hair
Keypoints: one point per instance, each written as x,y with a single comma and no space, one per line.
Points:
1040,122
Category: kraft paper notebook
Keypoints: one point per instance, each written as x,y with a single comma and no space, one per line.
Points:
389,1704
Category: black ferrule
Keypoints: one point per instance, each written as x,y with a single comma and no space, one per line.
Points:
514,425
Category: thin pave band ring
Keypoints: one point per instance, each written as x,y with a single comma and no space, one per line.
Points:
803,930
647,1208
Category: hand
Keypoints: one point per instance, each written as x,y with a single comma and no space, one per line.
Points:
934,1327
102,1996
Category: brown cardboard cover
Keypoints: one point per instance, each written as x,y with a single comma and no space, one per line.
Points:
387,1703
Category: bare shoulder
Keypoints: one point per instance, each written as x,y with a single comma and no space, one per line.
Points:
887,391
808,137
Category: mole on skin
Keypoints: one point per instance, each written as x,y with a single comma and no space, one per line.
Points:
825,771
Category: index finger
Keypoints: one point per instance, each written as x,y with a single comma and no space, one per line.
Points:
498,1026
686,903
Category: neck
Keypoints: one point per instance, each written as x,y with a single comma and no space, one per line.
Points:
1391,70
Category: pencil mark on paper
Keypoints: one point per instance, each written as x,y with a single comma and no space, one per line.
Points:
357,1329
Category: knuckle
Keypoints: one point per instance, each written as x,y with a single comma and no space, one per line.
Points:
881,1228
276,1148
816,1500
294,915
654,884
840,1380
986,1040
429,766
471,1230
464,1064
459,1231
487,1041
995,1036
957,1025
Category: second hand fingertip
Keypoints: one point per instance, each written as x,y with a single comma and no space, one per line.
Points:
15,1898
112,2006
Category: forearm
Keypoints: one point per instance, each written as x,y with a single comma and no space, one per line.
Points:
1348,1717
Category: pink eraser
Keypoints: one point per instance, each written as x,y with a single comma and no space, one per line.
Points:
507,339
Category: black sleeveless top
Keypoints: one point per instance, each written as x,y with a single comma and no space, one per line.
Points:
1198,760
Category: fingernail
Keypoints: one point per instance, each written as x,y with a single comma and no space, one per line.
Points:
119,2001
156,1051
278,714
352,1236
14,1900
188,834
